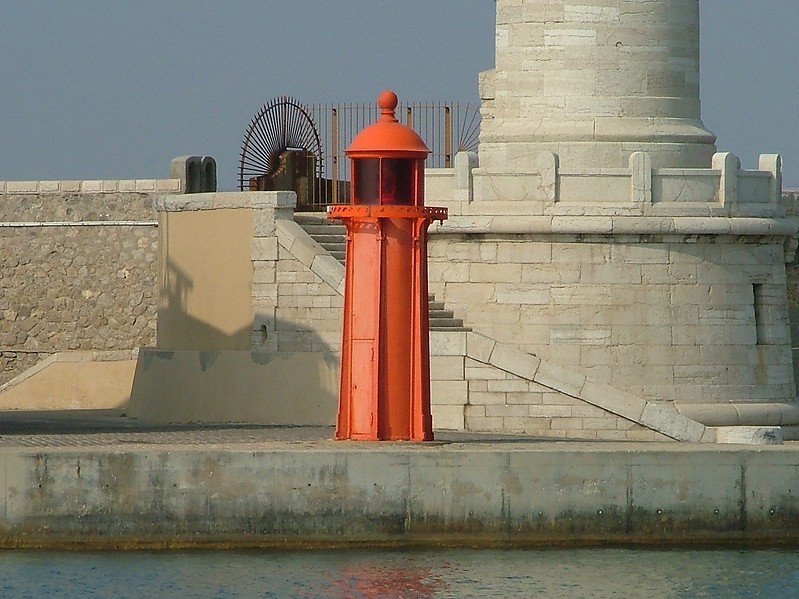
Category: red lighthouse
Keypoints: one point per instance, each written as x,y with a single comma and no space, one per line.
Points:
385,354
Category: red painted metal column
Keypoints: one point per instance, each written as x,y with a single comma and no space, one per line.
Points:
385,354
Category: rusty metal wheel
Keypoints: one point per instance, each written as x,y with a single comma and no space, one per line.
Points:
282,124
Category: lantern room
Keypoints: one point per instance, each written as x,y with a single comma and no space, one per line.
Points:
388,160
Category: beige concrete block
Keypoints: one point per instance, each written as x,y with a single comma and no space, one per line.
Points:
514,361
142,185
484,398
447,343
263,272
129,185
664,274
601,374
490,273
479,347
713,335
264,292
527,398
457,272
49,186
550,273
588,411
581,335
475,411
642,374
264,248
665,419
566,423
478,424
601,423
448,392
528,426
476,370
22,187
611,435
550,411
611,315
72,186
506,411
446,368
514,385
561,379
462,252
330,270
468,293
641,335
448,417
610,274
613,399
583,294
646,435
526,252
522,294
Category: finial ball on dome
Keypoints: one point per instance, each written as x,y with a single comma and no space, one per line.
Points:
387,100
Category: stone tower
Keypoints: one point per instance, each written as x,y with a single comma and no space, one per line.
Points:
593,82
600,230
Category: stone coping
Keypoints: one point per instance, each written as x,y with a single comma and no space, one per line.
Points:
91,186
742,414
225,200
521,224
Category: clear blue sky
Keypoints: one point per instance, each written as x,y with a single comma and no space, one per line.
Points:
101,89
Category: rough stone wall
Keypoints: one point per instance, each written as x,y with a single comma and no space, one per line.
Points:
663,320
75,207
76,273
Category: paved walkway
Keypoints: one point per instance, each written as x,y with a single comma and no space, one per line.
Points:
111,428
103,428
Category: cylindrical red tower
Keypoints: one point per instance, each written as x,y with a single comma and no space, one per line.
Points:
385,353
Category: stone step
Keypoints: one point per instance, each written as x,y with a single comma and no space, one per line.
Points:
331,246
331,236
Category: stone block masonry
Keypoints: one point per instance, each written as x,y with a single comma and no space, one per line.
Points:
78,267
650,316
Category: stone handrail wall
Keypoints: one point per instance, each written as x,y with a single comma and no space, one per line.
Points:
725,189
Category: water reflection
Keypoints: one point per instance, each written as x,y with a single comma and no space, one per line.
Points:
379,574
407,580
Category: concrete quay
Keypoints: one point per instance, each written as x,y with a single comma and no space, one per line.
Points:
100,480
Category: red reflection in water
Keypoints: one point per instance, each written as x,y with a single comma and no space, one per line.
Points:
373,582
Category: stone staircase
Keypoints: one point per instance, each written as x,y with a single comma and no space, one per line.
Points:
331,236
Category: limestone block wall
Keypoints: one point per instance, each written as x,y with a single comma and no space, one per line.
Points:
691,319
593,82
78,262
476,387
297,288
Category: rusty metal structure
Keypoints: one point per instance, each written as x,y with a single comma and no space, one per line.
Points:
385,346
289,145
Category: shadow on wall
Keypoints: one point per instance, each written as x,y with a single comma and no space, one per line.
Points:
201,373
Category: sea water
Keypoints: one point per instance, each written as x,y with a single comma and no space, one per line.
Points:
551,573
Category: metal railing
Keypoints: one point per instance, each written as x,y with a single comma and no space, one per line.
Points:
447,128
